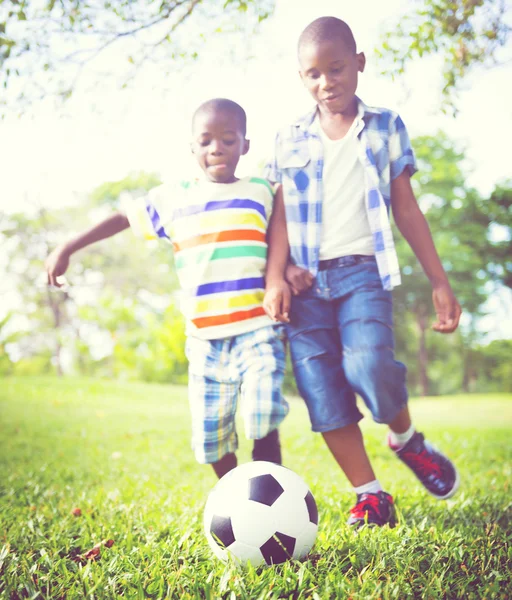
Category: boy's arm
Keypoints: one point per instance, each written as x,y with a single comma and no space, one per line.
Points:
58,261
414,227
277,294
299,280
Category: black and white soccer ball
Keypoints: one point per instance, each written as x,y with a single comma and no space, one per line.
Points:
261,513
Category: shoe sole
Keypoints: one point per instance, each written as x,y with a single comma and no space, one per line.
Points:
358,525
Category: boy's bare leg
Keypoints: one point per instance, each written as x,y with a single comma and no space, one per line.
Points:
402,422
373,506
224,465
347,447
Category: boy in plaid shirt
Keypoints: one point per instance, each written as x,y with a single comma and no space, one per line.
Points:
342,167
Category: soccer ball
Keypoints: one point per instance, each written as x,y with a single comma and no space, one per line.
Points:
260,513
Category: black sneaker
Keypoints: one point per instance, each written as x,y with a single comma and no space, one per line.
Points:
435,471
268,448
373,509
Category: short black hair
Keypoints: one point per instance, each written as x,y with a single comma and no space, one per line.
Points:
327,29
224,105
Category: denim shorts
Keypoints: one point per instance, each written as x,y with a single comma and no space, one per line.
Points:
245,369
342,344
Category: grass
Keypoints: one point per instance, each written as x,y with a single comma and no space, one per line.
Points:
120,453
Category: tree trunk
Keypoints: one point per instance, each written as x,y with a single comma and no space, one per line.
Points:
421,316
466,373
55,307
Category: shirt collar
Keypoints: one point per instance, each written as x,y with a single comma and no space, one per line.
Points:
363,110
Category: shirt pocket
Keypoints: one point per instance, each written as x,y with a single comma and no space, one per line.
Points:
295,165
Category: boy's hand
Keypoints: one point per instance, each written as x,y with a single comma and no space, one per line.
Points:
56,265
447,308
298,279
277,302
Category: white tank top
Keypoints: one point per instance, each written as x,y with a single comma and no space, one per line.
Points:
345,227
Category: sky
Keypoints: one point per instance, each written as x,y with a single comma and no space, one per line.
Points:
103,134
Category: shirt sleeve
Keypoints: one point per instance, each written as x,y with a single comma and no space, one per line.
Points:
269,207
271,171
148,215
401,155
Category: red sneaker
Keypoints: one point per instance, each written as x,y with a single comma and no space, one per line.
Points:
435,471
373,509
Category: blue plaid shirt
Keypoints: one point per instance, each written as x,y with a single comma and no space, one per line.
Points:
384,150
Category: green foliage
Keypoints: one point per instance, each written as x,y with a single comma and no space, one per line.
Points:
34,365
166,360
460,228
153,350
148,342
108,193
498,212
493,366
26,239
114,288
121,453
463,33
289,383
46,46
473,236
6,364
119,318
460,231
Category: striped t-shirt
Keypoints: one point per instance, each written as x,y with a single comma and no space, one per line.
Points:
218,232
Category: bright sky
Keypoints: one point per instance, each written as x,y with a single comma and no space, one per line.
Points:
53,160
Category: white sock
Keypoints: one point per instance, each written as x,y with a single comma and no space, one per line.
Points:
372,487
398,440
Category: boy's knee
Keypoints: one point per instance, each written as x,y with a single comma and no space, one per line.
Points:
366,364
380,380
374,370
261,419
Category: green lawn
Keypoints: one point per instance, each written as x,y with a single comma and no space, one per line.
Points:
120,452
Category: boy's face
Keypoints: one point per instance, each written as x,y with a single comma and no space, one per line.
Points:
218,142
329,70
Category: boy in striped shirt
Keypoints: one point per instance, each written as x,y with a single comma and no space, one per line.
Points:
221,230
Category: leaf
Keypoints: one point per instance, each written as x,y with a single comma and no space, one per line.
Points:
95,552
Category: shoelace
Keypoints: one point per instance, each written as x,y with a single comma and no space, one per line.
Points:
424,463
365,505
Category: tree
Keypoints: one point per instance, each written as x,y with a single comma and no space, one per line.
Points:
5,338
461,237
117,276
41,315
493,367
497,212
46,46
463,33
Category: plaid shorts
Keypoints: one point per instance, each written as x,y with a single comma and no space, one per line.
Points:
250,366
